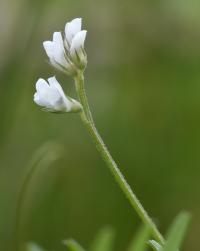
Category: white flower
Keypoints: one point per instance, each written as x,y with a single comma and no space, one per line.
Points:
68,54
51,96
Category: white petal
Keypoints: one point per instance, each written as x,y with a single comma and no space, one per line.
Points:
45,96
37,100
48,46
55,84
53,97
71,28
56,65
78,42
40,99
58,49
41,84
57,39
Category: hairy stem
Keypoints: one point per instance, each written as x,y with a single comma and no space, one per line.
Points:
88,122
80,88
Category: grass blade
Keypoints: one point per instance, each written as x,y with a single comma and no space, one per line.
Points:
73,245
104,240
41,160
177,232
139,243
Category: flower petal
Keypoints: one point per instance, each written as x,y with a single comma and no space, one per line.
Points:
40,98
55,84
78,42
48,46
58,49
44,94
41,84
53,97
72,28
50,49
57,39
38,101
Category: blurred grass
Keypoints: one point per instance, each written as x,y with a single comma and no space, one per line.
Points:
143,82
39,166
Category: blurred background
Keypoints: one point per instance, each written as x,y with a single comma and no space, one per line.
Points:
143,84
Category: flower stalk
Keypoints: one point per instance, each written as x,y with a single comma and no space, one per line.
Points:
86,117
80,89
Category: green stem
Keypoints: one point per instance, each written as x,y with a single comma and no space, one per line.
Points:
90,126
80,87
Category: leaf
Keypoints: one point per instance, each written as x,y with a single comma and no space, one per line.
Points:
177,232
73,245
104,240
155,245
139,243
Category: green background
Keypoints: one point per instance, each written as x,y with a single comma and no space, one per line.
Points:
143,84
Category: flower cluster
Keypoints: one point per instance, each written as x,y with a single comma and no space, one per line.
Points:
67,55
